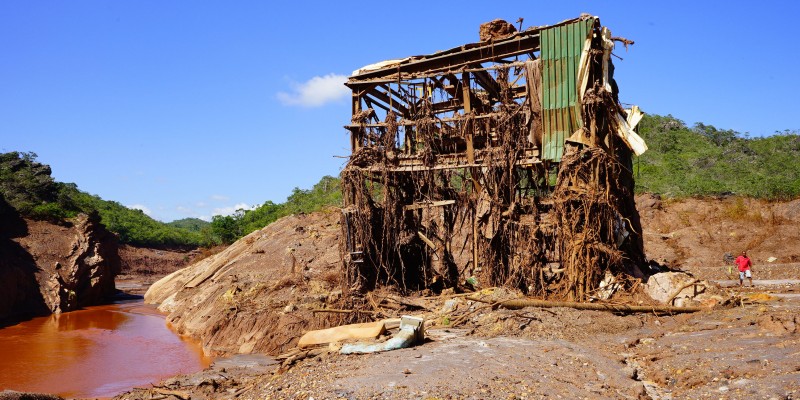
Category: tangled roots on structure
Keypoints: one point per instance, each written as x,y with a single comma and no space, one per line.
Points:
591,212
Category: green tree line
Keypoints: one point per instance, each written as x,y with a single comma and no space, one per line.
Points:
28,187
706,161
226,229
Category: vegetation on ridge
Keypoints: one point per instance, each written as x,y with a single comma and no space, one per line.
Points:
226,229
706,161
28,187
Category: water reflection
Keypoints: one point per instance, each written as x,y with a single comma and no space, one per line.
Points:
99,351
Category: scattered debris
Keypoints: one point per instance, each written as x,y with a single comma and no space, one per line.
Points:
412,331
516,304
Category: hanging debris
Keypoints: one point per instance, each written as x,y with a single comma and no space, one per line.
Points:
503,162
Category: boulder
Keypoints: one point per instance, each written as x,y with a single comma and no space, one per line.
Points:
690,291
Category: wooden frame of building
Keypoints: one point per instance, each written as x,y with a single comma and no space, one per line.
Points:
455,156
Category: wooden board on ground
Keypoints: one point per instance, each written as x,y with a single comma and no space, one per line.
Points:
367,330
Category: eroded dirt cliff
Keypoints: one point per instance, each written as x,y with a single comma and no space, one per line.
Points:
49,268
695,234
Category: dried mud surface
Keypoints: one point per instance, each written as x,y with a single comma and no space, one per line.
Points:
743,352
258,297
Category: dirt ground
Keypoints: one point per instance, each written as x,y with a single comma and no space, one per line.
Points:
751,351
748,350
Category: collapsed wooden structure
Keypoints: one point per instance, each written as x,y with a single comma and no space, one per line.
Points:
502,162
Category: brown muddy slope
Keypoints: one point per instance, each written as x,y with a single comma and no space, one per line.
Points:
695,234
257,295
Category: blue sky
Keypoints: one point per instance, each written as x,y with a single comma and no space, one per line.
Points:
195,108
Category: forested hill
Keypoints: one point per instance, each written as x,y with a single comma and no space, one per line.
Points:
28,187
706,161
682,161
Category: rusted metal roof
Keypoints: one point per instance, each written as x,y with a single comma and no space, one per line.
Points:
561,48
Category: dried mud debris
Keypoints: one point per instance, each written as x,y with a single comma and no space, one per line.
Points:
226,378
748,351
495,29
14,395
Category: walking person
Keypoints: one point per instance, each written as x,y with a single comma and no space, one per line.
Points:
745,265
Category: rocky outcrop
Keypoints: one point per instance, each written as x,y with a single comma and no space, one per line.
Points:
85,275
48,268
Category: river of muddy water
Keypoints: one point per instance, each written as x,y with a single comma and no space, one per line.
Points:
96,352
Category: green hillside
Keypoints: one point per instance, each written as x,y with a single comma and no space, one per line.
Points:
226,229
190,224
28,186
706,161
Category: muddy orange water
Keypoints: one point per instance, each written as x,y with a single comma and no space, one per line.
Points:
97,352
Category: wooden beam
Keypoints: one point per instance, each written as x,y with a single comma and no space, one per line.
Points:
417,206
355,141
521,43
396,98
390,103
476,186
487,82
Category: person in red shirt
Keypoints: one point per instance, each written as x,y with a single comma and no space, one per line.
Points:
744,264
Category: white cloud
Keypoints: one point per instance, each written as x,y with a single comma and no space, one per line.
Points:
144,209
231,209
219,197
316,91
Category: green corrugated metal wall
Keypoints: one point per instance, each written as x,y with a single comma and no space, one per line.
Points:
561,52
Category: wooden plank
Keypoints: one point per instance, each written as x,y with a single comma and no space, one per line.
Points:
487,82
355,135
368,330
